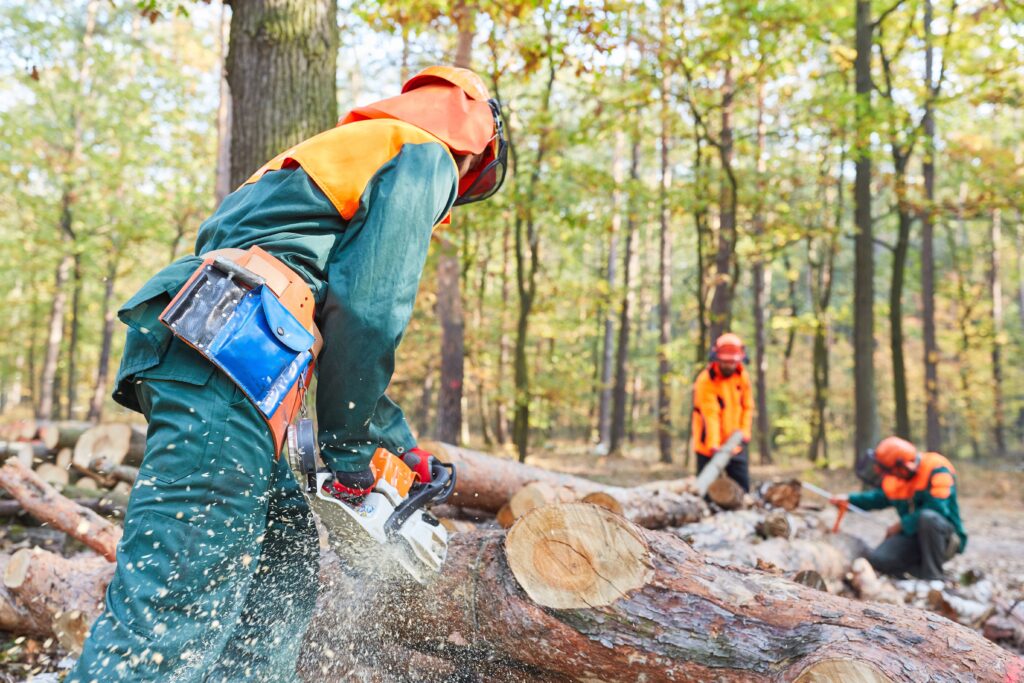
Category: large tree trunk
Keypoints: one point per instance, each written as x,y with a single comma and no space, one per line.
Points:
281,67
721,301
99,395
619,394
933,434
899,260
762,288
484,482
664,422
604,412
866,419
222,179
606,600
996,289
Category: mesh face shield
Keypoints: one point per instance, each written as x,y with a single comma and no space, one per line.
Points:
489,178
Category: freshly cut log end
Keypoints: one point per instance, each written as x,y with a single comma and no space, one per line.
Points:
577,555
842,671
505,517
532,496
726,493
17,568
783,494
602,499
119,444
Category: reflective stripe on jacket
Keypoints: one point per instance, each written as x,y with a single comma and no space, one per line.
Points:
721,405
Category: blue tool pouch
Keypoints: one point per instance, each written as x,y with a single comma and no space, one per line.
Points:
231,317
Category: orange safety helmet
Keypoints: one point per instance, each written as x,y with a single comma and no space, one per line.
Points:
893,453
452,104
729,347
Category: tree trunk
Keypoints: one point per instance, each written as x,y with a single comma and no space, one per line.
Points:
899,260
281,68
606,600
484,482
996,288
619,394
762,287
449,285
866,427
99,395
76,301
501,426
721,301
43,502
664,422
700,222
604,419
55,336
933,433
63,434
222,184
965,313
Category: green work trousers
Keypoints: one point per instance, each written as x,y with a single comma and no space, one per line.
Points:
217,571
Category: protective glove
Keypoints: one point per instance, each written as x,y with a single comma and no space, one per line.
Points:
840,501
350,484
419,461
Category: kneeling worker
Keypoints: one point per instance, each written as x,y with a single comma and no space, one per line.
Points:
922,487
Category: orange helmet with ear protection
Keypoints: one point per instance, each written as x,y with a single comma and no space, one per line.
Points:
894,452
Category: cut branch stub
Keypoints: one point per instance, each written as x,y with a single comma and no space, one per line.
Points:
577,555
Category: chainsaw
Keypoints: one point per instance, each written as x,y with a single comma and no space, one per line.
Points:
392,517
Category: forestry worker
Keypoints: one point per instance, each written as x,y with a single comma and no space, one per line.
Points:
216,574
723,404
922,488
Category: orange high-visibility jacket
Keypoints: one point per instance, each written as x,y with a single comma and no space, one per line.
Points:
721,405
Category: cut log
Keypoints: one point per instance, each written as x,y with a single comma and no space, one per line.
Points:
52,475
107,508
538,494
726,493
654,609
872,587
63,459
62,434
602,499
774,525
63,594
120,444
14,617
20,450
782,494
46,504
488,483
124,473
718,461
505,517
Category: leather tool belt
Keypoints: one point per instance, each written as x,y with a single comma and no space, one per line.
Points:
251,316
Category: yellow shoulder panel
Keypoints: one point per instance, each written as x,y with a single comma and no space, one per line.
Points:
341,161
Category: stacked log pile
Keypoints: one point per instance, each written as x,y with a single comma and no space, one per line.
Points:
552,577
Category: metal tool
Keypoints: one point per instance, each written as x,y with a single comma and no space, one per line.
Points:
392,518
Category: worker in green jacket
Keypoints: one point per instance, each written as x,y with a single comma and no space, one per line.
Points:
217,570
922,488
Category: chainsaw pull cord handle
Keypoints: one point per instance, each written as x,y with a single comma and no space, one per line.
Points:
841,508
437,490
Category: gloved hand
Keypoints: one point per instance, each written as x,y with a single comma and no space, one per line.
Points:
350,484
419,461
840,500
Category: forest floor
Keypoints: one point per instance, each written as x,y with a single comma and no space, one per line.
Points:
991,502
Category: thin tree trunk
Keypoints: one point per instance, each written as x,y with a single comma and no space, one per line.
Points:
76,301
899,260
54,337
449,286
933,434
1020,268
664,281
222,184
501,426
620,394
700,221
794,311
866,427
995,286
762,284
604,428
965,312
103,369
721,302
281,63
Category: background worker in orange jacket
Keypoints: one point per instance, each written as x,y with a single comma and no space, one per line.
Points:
723,403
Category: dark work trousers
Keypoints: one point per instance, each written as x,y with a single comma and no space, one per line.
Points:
920,555
738,467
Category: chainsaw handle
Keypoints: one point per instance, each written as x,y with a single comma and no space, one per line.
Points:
841,507
437,490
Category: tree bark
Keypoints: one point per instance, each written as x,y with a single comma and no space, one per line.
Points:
76,303
484,482
619,393
281,67
99,395
899,261
604,419
606,600
43,502
54,337
762,287
965,313
63,434
996,289
721,301
866,419
664,422
933,433
222,178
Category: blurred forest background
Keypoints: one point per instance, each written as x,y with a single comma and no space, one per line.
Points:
841,183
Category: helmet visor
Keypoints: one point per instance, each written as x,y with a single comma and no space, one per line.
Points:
489,178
